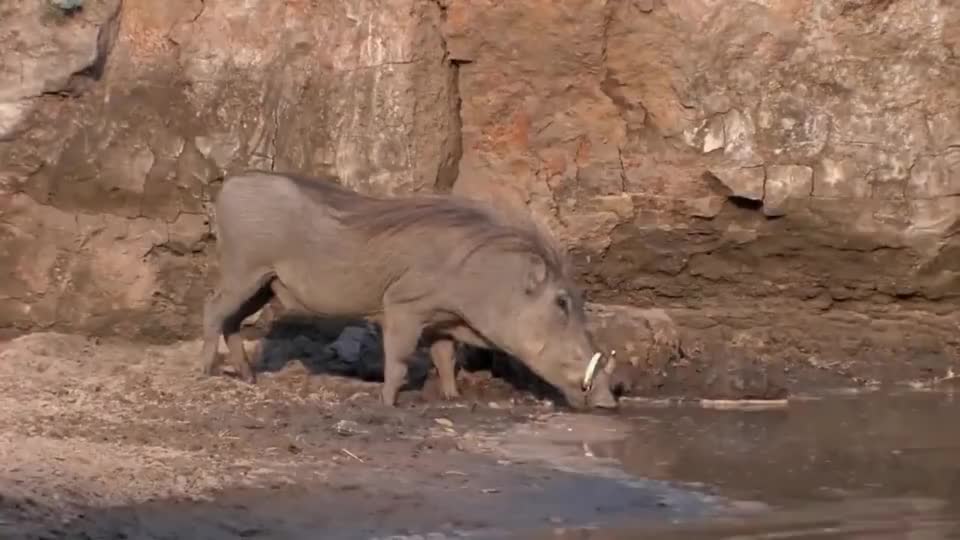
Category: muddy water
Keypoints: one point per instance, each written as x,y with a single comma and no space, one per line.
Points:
872,466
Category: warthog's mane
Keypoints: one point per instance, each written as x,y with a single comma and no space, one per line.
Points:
479,226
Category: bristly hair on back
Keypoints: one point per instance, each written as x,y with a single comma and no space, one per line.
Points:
480,225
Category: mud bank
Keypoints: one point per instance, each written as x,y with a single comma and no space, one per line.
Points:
113,440
479,499
107,439
116,440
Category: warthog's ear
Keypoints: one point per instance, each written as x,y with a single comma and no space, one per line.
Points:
536,274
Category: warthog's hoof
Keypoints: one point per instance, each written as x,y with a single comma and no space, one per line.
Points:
208,371
388,398
450,395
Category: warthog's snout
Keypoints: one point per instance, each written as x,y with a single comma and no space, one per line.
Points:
601,394
588,385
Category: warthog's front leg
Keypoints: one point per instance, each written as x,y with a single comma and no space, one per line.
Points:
401,333
443,354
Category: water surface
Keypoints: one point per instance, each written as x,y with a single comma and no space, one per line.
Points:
865,465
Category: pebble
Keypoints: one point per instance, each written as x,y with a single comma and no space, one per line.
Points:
347,428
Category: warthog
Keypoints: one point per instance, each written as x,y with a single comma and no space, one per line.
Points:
427,266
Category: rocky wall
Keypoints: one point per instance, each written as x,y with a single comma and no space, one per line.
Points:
117,120
783,175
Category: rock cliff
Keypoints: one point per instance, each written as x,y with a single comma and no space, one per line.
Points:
783,176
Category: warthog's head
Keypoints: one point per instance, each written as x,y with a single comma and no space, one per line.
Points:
535,312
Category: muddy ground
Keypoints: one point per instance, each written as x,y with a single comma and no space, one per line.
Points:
111,439
90,424
105,439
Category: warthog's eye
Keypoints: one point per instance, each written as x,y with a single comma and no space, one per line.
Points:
563,302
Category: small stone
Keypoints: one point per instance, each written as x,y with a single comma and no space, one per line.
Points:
347,428
443,422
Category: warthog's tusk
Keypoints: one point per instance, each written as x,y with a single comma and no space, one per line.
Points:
591,371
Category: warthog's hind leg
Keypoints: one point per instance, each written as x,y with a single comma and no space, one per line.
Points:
212,327
224,313
286,299
401,333
443,354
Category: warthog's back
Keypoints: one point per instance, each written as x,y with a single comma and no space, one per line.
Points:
262,218
319,237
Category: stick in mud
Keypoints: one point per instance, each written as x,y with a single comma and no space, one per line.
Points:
351,454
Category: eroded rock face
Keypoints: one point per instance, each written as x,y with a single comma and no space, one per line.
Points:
668,134
782,157
788,157
116,121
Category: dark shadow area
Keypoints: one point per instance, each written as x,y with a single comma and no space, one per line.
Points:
311,340
509,369
308,339
744,203
22,517
517,499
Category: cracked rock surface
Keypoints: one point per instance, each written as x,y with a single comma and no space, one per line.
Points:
105,186
780,177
